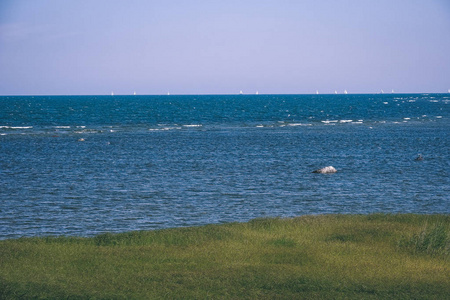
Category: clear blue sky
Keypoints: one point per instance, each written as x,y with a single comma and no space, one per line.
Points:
56,47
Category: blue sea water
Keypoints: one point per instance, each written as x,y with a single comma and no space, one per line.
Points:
84,165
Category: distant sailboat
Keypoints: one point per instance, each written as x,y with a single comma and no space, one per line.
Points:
448,90
382,91
317,92
168,94
112,93
392,91
240,93
345,92
134,93
335,92
257,93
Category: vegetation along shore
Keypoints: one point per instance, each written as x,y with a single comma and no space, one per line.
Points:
377,256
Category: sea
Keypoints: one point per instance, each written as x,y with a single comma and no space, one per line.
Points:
86,165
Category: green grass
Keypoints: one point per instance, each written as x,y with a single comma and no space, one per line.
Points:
312,257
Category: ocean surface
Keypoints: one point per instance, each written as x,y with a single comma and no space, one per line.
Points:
84,165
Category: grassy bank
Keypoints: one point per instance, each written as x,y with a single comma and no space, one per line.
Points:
333,256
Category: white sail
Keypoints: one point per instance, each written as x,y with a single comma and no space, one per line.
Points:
257,93
112,93
335,92
134,93
345,92
317,92
240,93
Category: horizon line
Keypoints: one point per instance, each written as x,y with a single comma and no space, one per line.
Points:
225,94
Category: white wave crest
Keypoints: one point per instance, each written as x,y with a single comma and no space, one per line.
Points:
164,128
299,124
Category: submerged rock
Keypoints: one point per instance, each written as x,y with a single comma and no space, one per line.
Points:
326,170
419,157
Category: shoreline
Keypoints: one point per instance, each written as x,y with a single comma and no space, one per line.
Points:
90,236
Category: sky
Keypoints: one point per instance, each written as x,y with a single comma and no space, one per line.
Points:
73,47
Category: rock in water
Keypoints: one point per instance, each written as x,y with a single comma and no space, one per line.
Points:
419,157
326,170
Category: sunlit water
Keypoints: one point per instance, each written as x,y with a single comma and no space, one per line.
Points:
88,164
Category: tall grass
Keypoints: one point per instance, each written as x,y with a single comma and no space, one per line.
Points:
432,239
322,257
